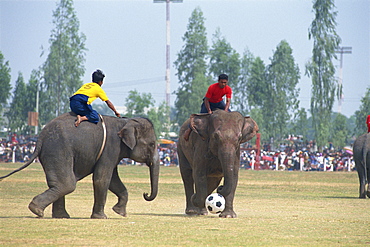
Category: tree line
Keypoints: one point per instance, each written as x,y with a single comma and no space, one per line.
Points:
266,92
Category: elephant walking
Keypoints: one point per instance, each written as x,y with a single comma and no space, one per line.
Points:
361,154
68,154
211,153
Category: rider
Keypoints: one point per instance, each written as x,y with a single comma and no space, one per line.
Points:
214,98
81,100
368,123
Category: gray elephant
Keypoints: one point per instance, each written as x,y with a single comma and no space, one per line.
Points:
361,155
211,153
68,154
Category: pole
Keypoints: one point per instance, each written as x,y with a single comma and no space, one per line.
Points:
168,72
341,51
168,46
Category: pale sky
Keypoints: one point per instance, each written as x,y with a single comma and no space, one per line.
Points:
127,39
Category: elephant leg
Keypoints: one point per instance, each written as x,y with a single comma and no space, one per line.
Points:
213,183
362,179
61,182
59,209
201,193
101,182
188,181
229,207
119,189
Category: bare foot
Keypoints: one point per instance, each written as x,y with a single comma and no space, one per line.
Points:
78,121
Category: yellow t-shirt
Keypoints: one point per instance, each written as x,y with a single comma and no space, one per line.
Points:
93,91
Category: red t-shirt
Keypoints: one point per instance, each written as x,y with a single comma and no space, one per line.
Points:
215,93
368,123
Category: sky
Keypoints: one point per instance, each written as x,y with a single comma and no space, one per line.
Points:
127,40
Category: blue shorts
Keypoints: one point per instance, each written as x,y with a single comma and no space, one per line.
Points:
78,104
219,105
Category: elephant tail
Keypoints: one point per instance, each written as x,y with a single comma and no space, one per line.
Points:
29,162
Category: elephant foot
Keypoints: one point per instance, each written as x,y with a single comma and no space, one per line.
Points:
98,216
203,211
368,194
192,211
119,210
63,215
227,214
36,210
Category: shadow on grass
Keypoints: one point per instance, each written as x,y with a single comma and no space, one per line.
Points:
169,215
341,197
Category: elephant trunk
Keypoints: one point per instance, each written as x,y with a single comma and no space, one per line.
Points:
230,174
154,176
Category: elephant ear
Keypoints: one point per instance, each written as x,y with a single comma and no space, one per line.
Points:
128,137
250,129
199,124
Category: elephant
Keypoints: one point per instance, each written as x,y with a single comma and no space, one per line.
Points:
212,153
68,154
361,155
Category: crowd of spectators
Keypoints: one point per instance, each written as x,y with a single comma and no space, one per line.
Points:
17,148
286,156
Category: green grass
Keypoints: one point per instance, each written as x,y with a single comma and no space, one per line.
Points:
274,208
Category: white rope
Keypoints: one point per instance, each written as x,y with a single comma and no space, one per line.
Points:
104,138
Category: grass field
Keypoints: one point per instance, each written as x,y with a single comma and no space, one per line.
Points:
274,208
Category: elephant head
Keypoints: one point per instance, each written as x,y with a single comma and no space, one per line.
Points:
139,137
224,132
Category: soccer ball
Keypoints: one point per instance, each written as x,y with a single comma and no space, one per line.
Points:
215,203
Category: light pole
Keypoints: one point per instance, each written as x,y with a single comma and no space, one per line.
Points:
341,51
168,71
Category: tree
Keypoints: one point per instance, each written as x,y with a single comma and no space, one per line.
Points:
240,94
5,85
282,78
224,59
63,68
258,90
192,68
339,131
321,68
362,113
137,104
18,112
299,123
159,118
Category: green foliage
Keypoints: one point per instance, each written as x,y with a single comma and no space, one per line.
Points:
160,119
192,68
63,68
321,68
5,86
137,103
362,113
339,131
224,60
300,123
282,78
240,95
18,112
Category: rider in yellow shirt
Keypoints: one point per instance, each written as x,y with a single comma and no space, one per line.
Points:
81,100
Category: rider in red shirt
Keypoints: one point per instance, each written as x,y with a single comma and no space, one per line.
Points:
368,123
214,99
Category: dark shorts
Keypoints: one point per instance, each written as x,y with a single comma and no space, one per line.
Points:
219,105
78,104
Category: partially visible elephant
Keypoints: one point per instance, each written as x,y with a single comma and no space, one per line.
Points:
68,154
211,153
361,155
